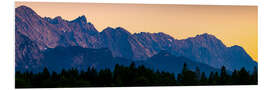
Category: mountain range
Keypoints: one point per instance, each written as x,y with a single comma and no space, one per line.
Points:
55,43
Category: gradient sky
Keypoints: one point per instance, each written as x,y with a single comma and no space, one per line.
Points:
234,25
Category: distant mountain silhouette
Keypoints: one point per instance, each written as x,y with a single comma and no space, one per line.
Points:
81,58
51,33
78,57
168,62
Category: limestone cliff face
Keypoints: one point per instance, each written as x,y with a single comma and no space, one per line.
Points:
49,33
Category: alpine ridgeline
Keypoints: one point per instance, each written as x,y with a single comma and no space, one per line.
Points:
36,36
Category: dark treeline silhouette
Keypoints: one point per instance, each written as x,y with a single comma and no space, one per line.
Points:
131,75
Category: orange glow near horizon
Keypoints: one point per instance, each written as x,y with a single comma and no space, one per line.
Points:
234,25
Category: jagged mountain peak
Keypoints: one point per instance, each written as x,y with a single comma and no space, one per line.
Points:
24,11
205,36
238,49
116,30
122,29
58,18
24,8
142,33
206,40
236,46
55,20
80,19
108,28
159,35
